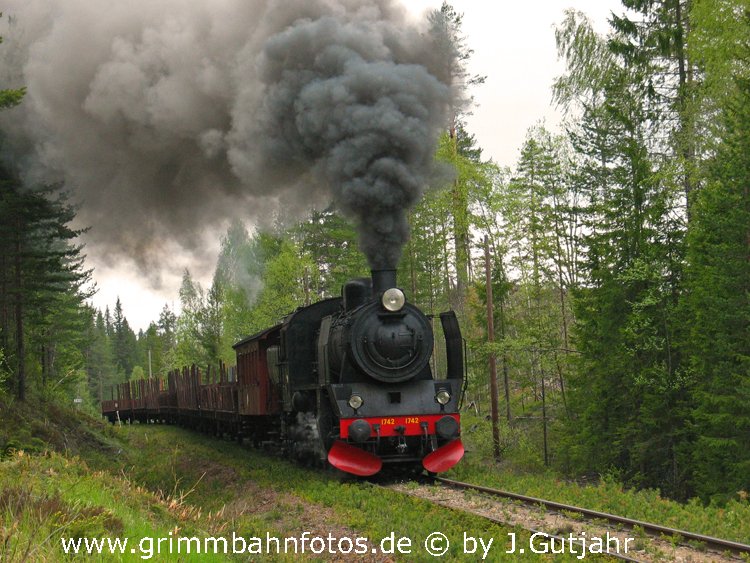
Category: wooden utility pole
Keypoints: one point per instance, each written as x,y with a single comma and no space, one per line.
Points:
544,420
307,287
491,340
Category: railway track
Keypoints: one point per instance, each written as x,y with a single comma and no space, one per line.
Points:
655,530
542,538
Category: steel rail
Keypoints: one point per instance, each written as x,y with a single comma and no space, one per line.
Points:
547,535
715,543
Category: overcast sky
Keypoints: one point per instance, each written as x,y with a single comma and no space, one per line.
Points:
514,48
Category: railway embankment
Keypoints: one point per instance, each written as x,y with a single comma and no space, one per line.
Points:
64,474
67,480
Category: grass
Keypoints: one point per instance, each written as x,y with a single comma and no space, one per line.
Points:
42,426
220,472
89,479
48,497
155,481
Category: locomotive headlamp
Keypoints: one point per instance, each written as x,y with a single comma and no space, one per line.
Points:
443,397
355,401
393,299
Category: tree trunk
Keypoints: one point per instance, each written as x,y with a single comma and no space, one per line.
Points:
43,359
685,75
20,343
506,383
412,272
491,341
544,420
4,300
460,211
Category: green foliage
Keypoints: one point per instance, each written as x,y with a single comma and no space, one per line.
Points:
284,287
720,34
718,305
436,265
123,343
10,97
238,273
4,370
258,280
152,348
520,450
42,284
628,388
528,216
188,347
330,241
452,50
78,502
627,349
458,149
425,264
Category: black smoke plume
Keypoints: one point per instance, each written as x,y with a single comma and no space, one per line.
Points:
168,118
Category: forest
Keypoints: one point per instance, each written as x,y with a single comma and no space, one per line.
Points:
619,256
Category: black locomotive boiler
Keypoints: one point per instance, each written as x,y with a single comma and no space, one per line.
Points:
348,380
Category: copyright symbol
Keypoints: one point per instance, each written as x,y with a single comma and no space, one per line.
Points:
436,544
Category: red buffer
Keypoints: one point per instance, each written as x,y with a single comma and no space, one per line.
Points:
354,460
445,457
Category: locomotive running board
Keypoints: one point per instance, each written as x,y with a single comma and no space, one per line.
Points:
353,460
445,457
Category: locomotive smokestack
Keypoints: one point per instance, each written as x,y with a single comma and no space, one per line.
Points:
382,280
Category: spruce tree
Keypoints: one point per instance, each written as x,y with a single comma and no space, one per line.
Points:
123,343
718,302
43,275
629,388
451,48
654,37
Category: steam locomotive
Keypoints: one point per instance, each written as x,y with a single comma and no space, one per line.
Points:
348,380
